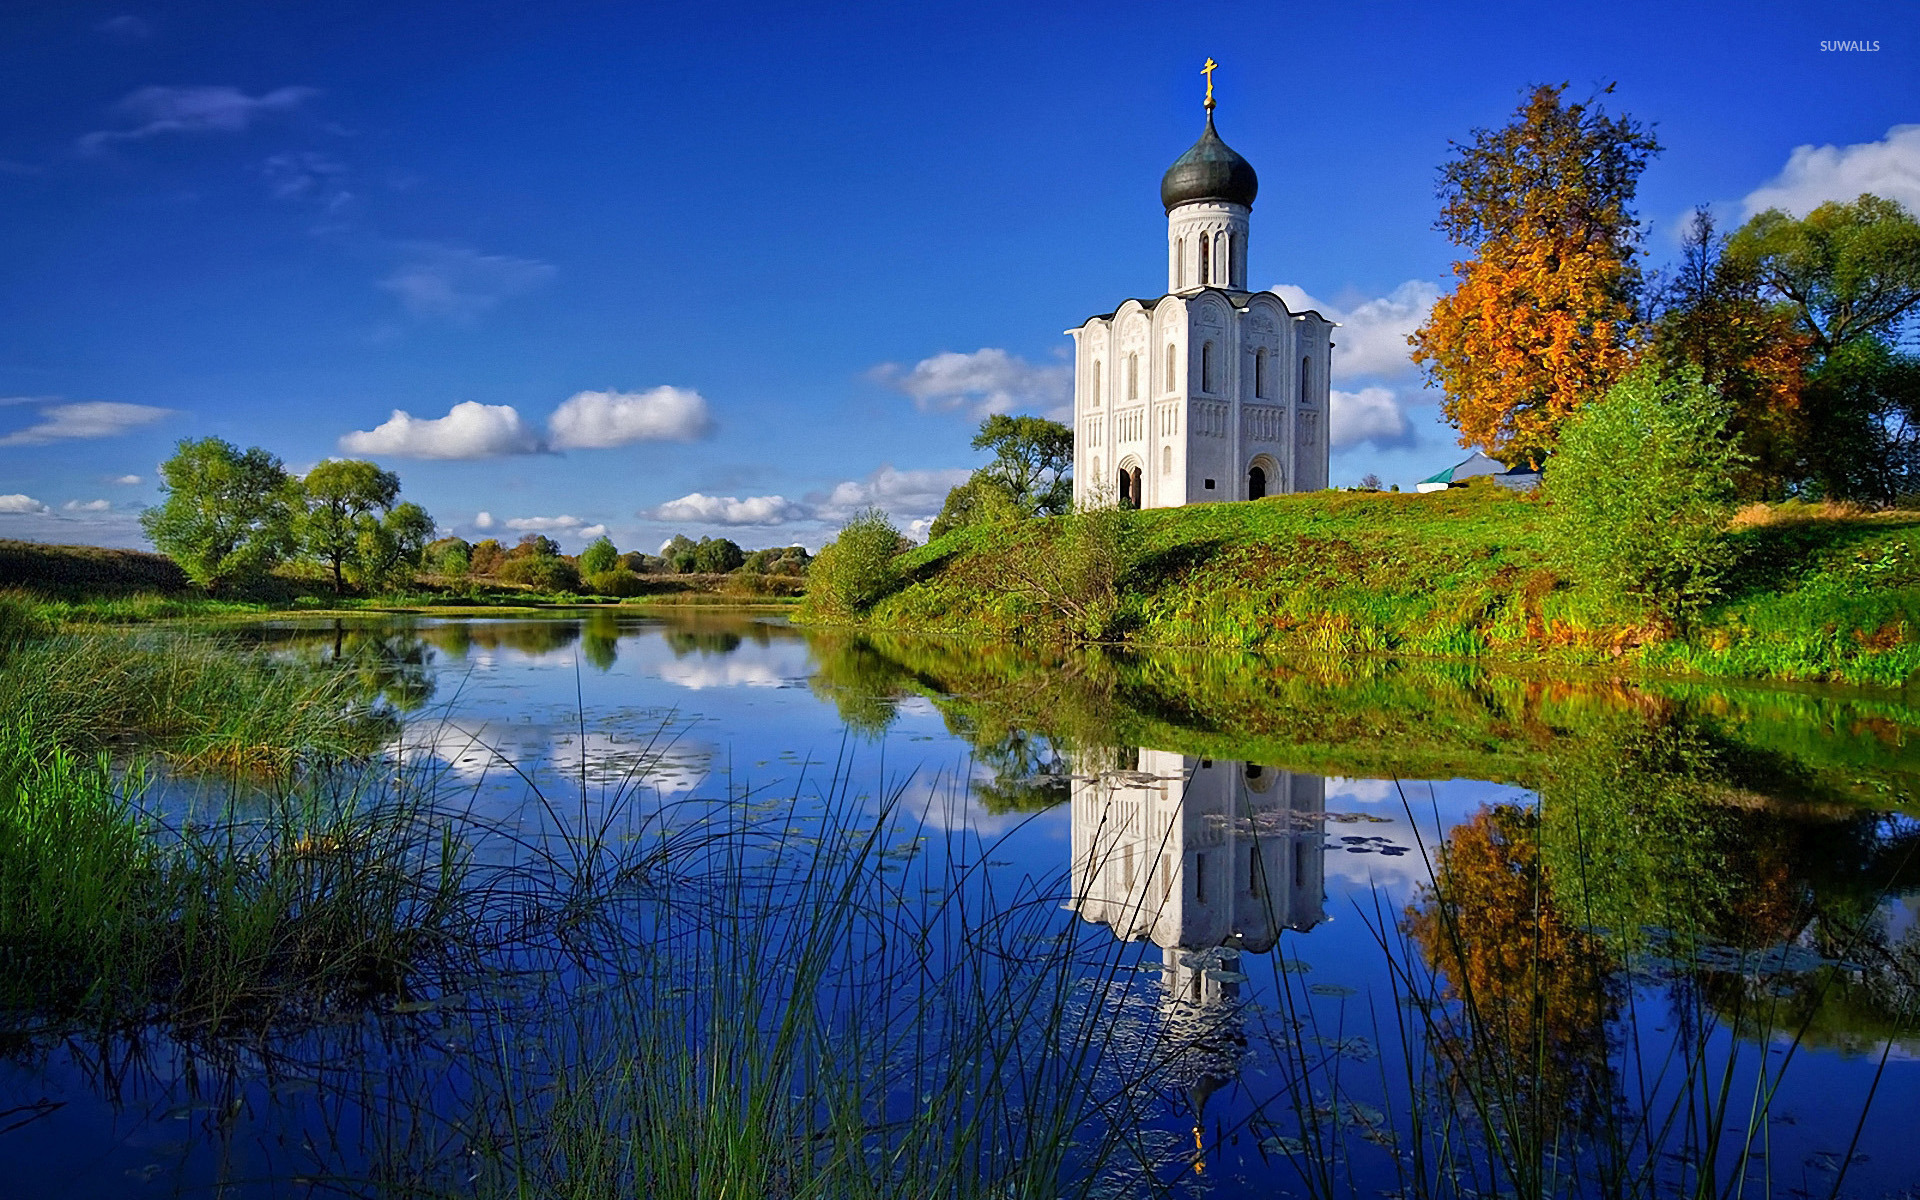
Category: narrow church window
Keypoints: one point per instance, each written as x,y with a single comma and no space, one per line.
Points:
1260,374
1306,378
1166,460
1171,385
1206,367
1096,384
1223,262
1179,264
1133,376
1096,466
1206,260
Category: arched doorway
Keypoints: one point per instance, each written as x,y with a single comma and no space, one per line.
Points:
1132,479
1263,478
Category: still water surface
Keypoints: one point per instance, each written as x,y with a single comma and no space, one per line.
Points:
1341,912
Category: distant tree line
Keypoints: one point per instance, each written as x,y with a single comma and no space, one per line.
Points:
230,517
602,569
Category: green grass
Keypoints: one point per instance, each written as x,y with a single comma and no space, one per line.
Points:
1463,573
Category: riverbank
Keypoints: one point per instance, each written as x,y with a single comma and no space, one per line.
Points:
1820,593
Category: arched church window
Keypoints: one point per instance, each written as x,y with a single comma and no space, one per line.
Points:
1260,374
1133,376
1171,384
1223,265
1306,381
1179,264
1166,460
1206,367
1206,260
1094,400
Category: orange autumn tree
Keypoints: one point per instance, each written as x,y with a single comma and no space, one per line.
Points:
1542,319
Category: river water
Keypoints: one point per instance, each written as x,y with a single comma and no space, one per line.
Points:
1359,928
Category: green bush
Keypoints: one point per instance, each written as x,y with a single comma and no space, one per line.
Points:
857,569
599,557
1641,492
542,572
615,582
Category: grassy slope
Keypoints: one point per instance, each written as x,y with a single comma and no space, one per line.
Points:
1458,573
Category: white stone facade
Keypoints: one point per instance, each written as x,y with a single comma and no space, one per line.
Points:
1210,392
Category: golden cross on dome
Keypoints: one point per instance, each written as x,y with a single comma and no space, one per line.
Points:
1208,71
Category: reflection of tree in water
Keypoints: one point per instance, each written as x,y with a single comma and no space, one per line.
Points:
599,640
460,638
387,663
862,684
1763,897
703,641
1528,995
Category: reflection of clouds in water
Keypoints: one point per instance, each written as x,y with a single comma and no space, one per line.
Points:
915,706
947,801
1364,791
469,749
698,674
658,763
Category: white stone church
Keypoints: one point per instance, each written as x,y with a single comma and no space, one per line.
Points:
1210,392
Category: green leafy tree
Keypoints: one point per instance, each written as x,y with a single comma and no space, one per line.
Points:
1032,460
488,556
717,556
981,500
856,570
390,548
450,556
678,553
599,556
345,500
1641,491
228,513
1849,275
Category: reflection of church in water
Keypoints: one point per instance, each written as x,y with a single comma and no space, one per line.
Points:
1199,855
1207,859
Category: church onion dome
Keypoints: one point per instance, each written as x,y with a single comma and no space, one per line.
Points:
1209,171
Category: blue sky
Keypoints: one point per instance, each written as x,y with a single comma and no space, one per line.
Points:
741,269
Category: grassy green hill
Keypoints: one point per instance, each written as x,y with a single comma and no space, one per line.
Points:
1820,592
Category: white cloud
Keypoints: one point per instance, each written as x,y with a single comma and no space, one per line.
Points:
128,480
560,524
87,419
597,420
591,532
87,505
696,508
469,430
158,110
1368,415
1813,175
18,505
1372,338
985,382
457,284
483,520
905,495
